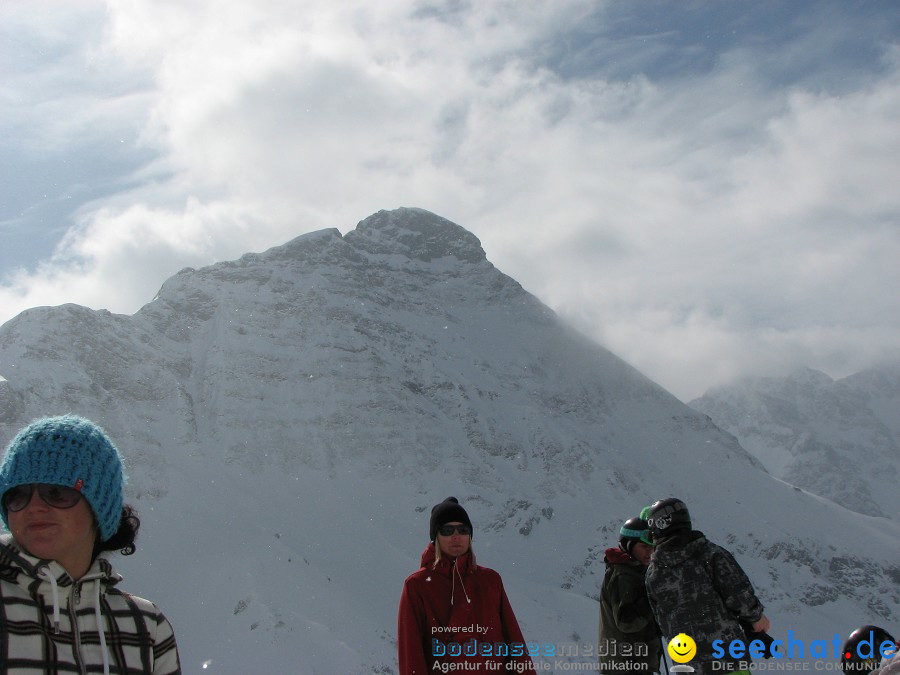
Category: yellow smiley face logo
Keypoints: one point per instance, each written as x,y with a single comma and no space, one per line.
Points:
682,648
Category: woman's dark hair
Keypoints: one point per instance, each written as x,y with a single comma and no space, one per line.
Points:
123,540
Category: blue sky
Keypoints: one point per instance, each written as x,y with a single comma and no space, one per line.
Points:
706,188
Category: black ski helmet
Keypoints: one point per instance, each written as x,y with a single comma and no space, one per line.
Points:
634,530
667,516
862,650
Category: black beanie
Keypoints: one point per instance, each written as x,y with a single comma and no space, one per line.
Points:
448,511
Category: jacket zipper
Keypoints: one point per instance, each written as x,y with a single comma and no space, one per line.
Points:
74,601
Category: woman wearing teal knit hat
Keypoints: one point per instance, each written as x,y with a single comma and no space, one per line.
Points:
62,499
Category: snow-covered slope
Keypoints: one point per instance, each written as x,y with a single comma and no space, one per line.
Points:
291,417
838,439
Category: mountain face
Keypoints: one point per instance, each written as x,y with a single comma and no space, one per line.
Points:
837,439
290,418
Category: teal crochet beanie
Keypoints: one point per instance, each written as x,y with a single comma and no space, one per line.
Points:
73,452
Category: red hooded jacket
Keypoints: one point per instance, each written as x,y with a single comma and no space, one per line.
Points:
457,613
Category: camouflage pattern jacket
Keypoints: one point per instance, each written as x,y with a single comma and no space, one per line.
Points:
696,587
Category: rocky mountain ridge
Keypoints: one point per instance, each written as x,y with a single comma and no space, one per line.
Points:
836,438
289,418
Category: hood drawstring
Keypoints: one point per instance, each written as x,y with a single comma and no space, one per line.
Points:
455,573
54,594
45,573
101,629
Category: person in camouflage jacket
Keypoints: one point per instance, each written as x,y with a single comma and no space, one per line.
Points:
698,588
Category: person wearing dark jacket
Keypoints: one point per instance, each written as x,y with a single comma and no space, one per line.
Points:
454,613
629,636
697,587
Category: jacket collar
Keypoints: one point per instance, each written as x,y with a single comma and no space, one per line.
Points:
24,569
616,556
678,548
464,563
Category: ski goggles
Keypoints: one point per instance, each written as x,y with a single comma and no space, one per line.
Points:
642,535
57,496
448,530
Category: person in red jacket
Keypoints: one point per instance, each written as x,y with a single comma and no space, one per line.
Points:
454,614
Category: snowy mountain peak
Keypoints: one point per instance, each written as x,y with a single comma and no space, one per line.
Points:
416,234
309,247
808,378
289,418
407,233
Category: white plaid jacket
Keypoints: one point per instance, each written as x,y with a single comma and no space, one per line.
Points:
49,623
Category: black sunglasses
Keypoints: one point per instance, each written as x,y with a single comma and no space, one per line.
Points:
448,530
57,496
